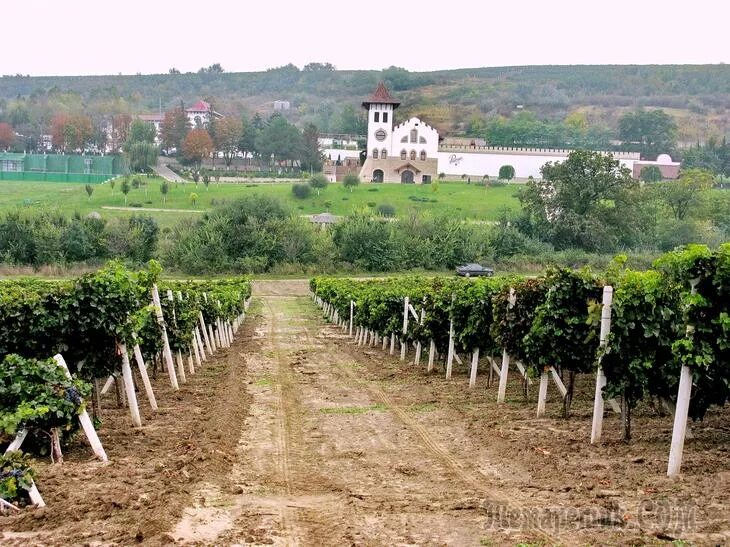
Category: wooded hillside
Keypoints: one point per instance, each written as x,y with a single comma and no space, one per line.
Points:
455,101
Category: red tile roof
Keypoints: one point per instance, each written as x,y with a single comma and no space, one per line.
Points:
200,106
381,95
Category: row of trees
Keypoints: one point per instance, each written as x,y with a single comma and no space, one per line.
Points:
269,141
650,132
50,238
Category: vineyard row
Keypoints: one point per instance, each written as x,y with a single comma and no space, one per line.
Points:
662,333
94,327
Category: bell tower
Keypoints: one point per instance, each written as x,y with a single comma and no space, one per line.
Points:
380,107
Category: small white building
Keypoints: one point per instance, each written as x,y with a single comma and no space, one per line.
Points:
282,105
201,113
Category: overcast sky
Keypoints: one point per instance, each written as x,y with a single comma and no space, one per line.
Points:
48,37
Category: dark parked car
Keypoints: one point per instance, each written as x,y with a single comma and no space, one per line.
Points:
474,270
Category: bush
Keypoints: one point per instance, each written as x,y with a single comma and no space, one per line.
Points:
301,191
506,172
386,210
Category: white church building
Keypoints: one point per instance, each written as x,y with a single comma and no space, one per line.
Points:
404,153
411,152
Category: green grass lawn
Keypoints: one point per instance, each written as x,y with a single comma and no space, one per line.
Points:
459,199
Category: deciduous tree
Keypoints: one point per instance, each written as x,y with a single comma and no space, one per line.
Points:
686,193
350,181
7,136
174,128
585,201
318,182
72,132
197,145
227,137
652,132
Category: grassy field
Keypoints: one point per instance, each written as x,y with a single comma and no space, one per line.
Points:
459,199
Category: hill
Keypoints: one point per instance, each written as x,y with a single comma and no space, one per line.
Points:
454,101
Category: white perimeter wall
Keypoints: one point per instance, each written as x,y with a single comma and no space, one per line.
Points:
335,152
478,165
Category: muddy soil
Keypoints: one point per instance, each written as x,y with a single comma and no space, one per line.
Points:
297,436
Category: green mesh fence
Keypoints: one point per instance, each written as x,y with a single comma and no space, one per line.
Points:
60,168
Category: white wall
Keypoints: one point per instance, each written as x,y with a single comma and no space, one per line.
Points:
478,165
335,152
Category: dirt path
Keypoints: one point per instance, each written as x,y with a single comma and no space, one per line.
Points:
327,457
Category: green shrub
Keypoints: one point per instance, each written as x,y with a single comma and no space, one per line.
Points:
386,210
301,191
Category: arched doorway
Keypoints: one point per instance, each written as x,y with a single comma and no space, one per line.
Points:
378,175
407,176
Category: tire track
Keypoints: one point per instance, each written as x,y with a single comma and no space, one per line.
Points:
466,475
287,516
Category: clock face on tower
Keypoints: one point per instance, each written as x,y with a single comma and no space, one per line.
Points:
380,134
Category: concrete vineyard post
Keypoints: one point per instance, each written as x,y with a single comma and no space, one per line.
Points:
450,354
352,314
542,393
181,367
597,425
205,333
201,346
17,441
474,364
431,355
404,346
504,372
392,343
35,496
84,419
129,387
417,359
166,352
196,348
145,377
680,422
211,337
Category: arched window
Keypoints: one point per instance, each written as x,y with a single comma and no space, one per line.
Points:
421,140
403,154
404,139
384,153
423,155
375,153
413,154
414,135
